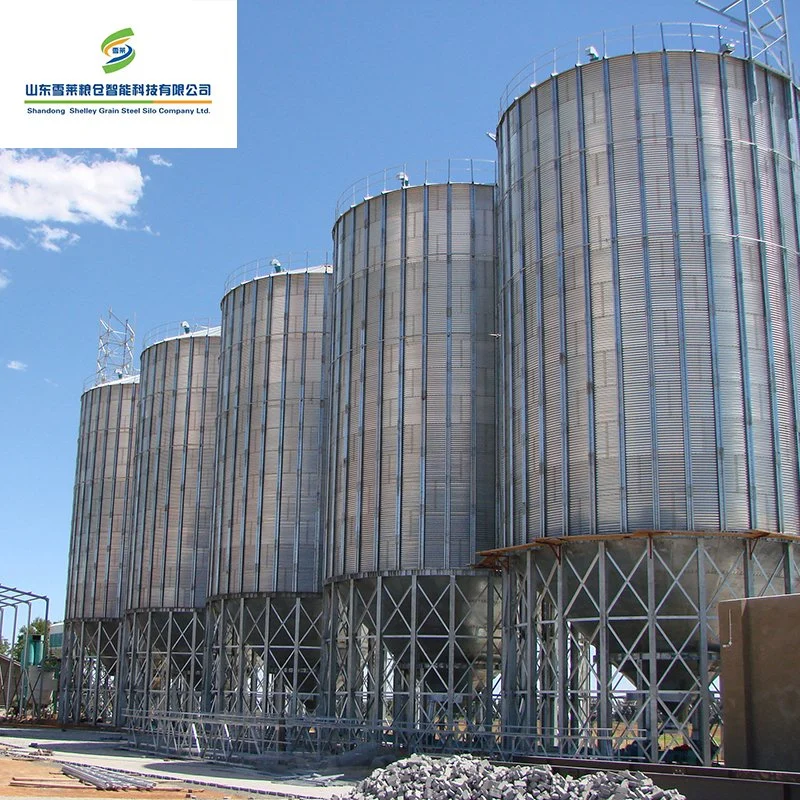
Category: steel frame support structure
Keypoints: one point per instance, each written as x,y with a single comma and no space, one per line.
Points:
21,685
612,643
231,737
413,658
163,667
263,655
90,668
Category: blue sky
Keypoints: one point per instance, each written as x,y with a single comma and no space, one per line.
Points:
328,92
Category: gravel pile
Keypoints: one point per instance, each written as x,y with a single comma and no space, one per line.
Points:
467,778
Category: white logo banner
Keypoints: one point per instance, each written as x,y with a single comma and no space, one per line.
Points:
122,74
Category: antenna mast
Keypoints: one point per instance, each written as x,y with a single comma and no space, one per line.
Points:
114,349
765,27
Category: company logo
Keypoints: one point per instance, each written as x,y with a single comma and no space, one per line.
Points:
119,51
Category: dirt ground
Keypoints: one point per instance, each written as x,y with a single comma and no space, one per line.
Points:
45,770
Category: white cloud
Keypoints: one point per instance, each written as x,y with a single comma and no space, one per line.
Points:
159,161
8,244
51,383
17,366
5,279
52,239
125,153
63,188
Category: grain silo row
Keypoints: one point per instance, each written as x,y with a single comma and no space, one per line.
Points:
482,482
164,581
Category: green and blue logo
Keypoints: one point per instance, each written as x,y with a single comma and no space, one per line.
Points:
119,51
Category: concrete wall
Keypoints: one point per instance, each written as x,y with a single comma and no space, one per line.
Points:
761,682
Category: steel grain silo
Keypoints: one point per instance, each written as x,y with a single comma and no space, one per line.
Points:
101,508
411,477
651,318
168,552
265,602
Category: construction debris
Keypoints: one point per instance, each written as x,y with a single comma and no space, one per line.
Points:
465,777
40,751
22,754
34,783
106,778
322,780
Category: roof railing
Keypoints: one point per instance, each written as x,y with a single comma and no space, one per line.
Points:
656,37
192,326
448,170
301,261
93,381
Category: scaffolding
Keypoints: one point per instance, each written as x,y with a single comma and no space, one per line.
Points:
26,688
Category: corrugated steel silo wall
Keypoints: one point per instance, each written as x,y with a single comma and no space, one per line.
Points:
649,233
168,557
102,496
270,435
412,458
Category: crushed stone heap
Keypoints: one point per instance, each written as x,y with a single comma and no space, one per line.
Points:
464,777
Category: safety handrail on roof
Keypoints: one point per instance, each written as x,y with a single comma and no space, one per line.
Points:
304,261
655,37
420,173
193,326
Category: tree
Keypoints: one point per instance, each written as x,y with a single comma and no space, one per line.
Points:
38,625
5,647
